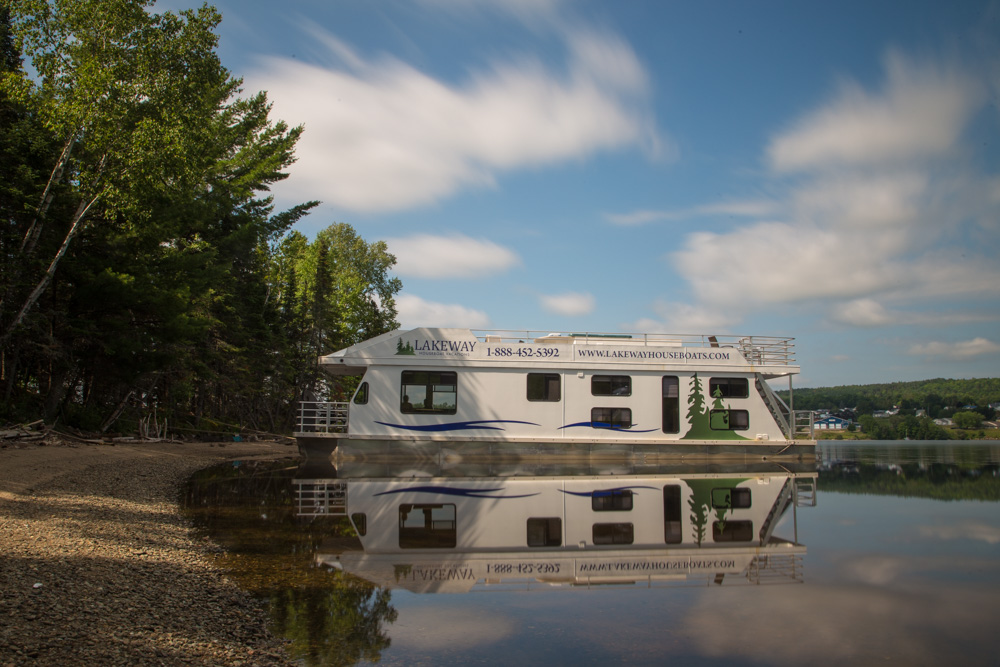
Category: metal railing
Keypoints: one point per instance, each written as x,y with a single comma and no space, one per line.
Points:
322,417
314,498
805,424
773,568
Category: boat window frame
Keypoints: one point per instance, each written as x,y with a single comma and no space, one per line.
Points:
728,419
361,395
671,405
618,385
673,515
727,387
548,531
548,382
613,533
611,423
428,537
729,530
611,500
737,498
445,379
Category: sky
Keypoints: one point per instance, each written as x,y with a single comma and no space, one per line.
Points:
828,171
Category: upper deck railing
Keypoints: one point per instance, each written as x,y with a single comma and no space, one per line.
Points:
758,350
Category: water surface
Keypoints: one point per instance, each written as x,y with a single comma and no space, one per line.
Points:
897,562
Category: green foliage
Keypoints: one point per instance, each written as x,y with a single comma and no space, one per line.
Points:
328,617
967,419
938,481
144,276
938,396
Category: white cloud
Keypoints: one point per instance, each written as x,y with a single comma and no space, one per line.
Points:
921,113
965,530
880,218
962,350
864,313
412,311
683,318
753,208
570,303
382,135
455,256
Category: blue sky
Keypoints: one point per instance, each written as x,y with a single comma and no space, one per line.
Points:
823,170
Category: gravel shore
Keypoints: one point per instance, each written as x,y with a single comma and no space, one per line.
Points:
98,567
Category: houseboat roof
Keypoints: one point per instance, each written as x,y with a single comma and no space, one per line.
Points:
771,356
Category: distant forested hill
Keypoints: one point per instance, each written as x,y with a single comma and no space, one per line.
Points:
936,396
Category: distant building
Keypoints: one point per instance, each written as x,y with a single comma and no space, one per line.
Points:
831,423
944,421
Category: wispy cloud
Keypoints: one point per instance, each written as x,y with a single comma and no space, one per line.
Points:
881,195
382,135
413,311
968,349
684,318
455,256
920,113
754,208
570,303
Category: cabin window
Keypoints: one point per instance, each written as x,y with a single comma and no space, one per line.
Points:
611,500
361,395
731,498
543,387
672,514
729,420
613,533
732,531
360,522
611,385
611,417
545,532
671,404
728,388
429,392
427,526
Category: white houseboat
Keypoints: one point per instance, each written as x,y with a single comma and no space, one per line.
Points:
552,392
455,534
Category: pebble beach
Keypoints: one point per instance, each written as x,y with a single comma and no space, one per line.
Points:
99,567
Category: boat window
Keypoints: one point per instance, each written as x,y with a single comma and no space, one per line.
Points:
672,514
613,533
611,385
732,531
361,396
728,388
611,500
611,417
545,532
429,392
729,420
543,387
427,526
732,498
360,522
671,404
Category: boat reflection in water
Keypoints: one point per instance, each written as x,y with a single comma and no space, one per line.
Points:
428,527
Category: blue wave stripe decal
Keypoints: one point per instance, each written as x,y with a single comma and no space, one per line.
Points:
597,493
457,426
455,491
607,427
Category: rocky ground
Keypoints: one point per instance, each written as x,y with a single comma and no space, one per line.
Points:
98,567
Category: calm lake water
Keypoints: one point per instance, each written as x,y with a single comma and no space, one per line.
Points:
880,553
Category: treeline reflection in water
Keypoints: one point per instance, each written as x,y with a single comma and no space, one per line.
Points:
249,510
287,538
